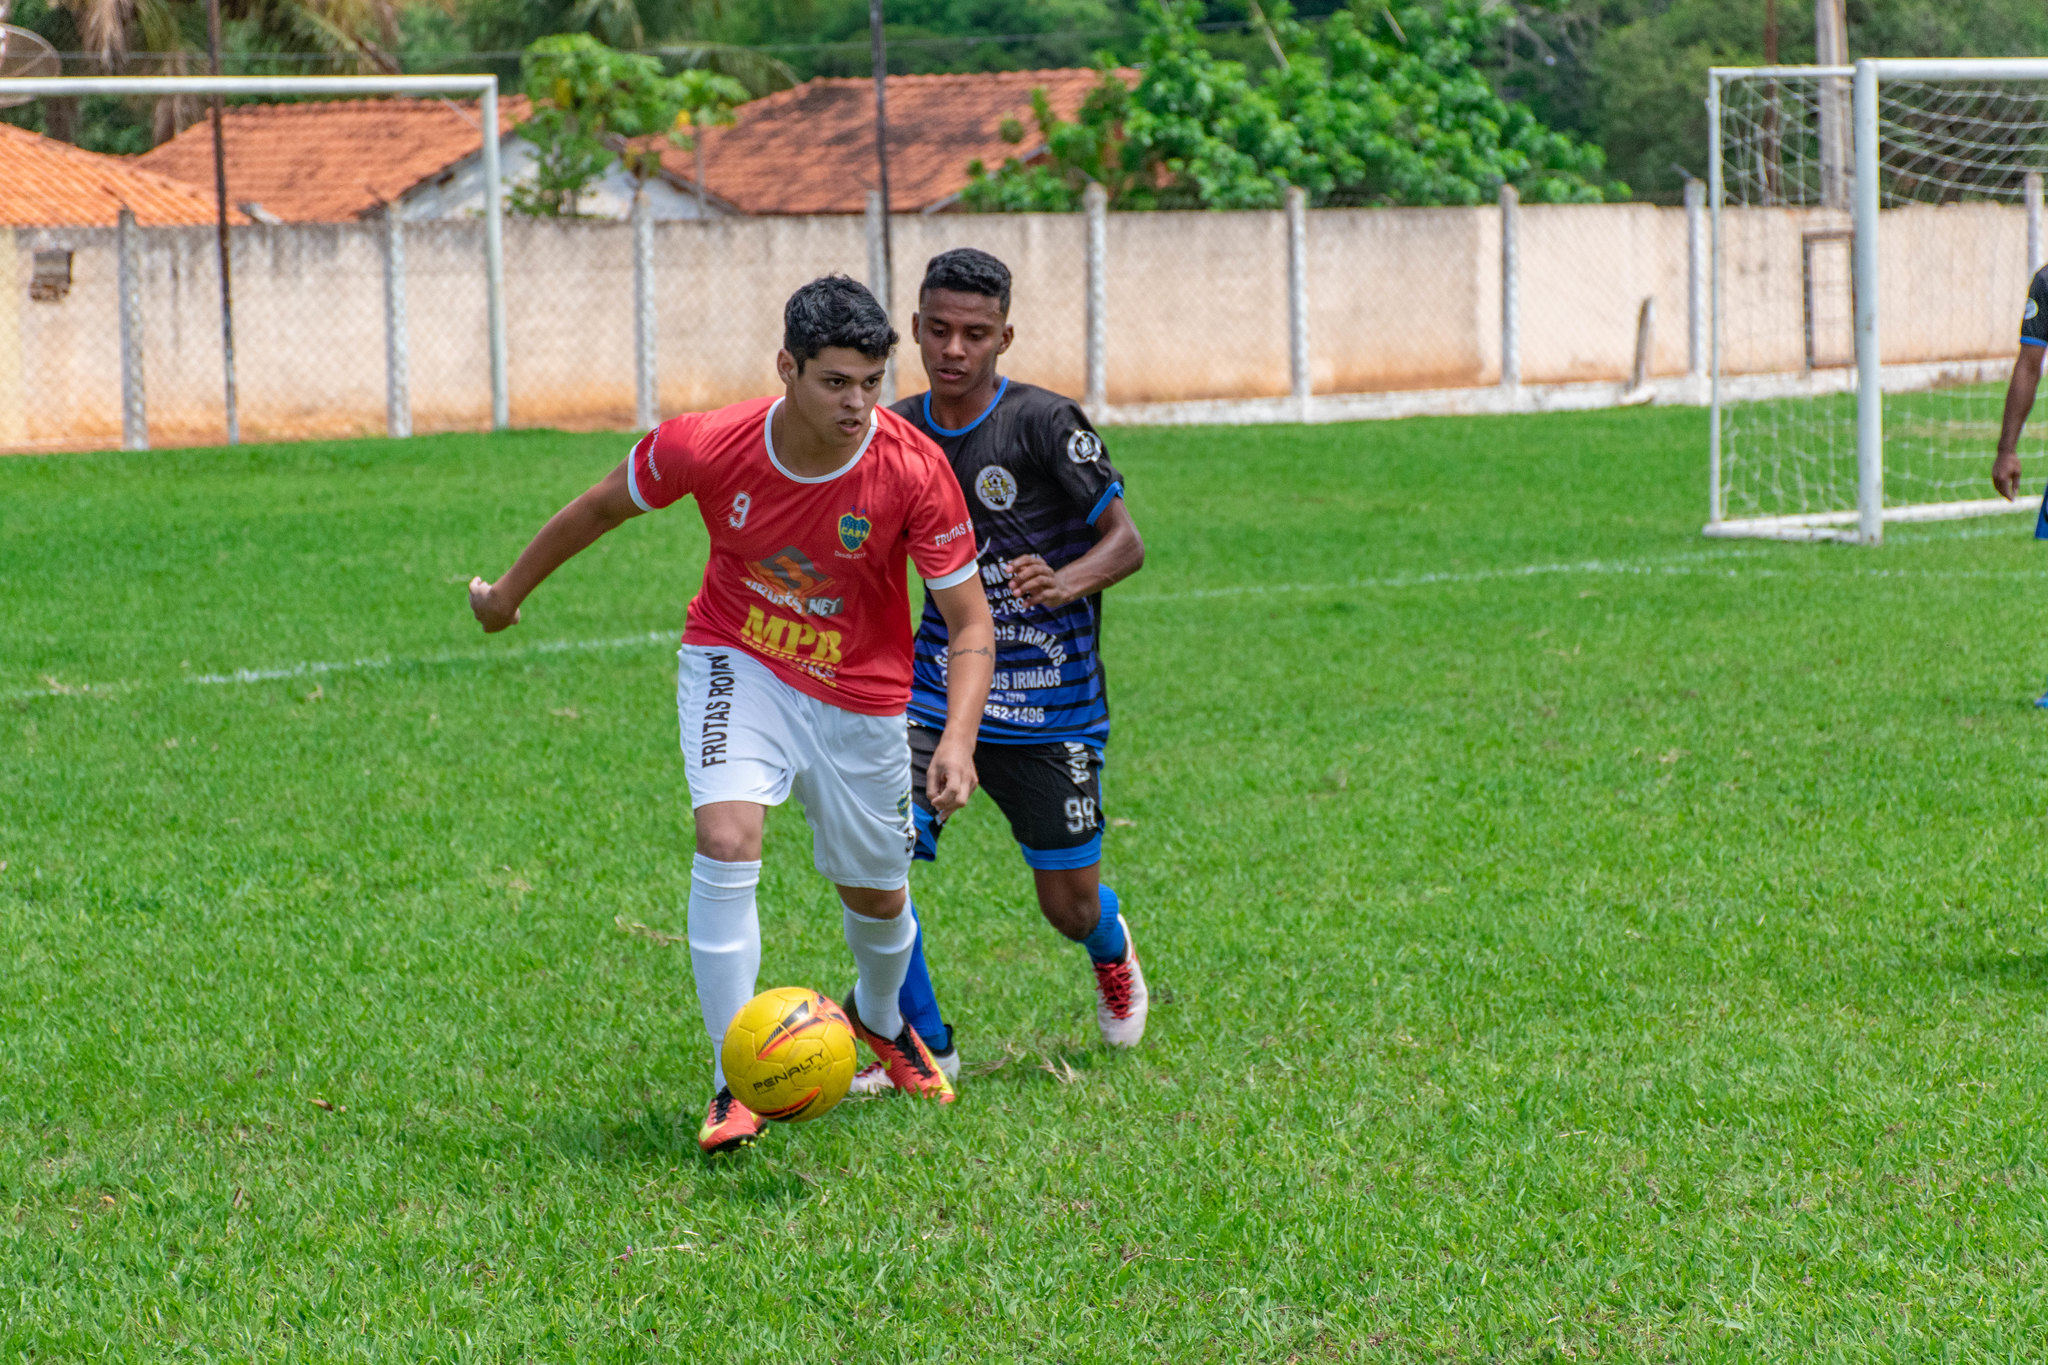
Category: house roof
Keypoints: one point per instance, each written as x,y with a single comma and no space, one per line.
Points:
47,183
332,160
811,149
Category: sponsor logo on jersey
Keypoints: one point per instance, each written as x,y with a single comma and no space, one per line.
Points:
948,537
854,528
797,643
1032,637
1024,679
790,580
996,487
1084,447
2033,309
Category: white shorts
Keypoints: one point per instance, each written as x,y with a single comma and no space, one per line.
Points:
750,736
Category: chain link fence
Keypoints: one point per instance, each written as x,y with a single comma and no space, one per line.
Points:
381,326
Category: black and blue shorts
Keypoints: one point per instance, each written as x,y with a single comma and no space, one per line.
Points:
1050,793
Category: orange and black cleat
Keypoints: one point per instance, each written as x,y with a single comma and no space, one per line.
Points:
909,1063
728,1125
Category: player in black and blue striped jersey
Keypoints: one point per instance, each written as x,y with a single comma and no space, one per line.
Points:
2019,401
1053,532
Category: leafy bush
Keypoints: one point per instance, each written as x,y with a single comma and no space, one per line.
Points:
594,106
1380,105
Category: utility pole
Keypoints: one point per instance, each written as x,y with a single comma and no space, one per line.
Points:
220,205
1831,48
880,51
1772,186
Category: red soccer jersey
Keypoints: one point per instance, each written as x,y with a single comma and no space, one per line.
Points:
806,574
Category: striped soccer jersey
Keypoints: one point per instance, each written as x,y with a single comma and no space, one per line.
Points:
1037,480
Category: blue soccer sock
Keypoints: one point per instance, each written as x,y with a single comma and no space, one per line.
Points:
1105,942
920,1005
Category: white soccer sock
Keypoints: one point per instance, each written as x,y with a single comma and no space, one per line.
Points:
881,949
725,945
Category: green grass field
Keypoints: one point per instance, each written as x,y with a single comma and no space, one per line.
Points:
1570,938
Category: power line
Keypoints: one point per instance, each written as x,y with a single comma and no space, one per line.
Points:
680,48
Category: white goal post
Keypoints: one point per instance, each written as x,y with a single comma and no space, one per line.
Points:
1902,192
483,87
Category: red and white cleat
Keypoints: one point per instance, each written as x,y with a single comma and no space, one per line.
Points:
1121,1000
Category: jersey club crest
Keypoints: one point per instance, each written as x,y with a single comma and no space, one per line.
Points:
996,487
853,529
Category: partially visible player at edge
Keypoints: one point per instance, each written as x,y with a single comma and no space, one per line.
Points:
2019,401
795,662
1053,532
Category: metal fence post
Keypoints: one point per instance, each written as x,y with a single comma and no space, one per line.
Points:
1297,299
494,261
1096,396
1510,290
128,280
878,275
397,347
2033,191
644,415
1696,279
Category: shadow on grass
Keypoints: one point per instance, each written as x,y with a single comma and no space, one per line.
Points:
665,1141
2019,971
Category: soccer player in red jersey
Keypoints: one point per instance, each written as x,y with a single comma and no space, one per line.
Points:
796,658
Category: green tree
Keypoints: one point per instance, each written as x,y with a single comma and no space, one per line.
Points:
595,106
1379,105
708,101
1631,75
149,37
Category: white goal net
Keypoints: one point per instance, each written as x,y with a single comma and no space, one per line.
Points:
1874,232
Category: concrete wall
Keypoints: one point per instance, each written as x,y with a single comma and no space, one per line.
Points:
1400,299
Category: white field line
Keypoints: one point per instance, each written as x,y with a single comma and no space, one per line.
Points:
1698,564
1424,580
315,667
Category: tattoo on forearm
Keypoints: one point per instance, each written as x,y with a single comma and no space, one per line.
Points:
984,653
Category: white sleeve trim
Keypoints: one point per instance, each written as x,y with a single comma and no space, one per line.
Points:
955,578
633,475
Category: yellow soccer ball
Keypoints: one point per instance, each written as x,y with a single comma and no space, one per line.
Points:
789,1054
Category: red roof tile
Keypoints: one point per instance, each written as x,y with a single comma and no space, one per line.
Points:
47,183
811,149
332,160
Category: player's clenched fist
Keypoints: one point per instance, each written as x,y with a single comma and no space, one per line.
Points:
951,779
493,616
1037,583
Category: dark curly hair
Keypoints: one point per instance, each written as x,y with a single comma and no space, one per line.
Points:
966,270
834,310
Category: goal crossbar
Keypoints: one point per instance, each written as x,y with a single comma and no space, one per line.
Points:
483,86
1856,86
